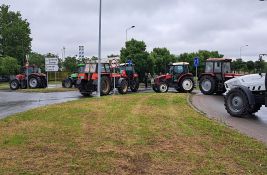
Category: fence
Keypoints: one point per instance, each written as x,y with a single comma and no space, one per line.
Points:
58,76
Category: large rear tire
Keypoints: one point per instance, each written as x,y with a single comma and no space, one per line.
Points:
207,85
123,89
236,103
14,84
105,86
134,85
186,84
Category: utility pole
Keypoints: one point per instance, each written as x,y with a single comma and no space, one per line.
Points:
127,32
99,51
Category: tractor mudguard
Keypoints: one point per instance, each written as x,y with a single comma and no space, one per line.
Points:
251,98
185,75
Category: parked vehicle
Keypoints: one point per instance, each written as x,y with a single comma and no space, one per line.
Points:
87,80
4,78
36,79
72,79
246,94
217,71
178,77
127,71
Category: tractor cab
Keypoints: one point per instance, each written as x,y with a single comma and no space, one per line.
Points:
30,70
217,71
127,69
177,69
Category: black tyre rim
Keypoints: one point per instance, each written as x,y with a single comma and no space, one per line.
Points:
235,103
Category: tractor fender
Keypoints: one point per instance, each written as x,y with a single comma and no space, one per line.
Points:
206,74
250,96
184,75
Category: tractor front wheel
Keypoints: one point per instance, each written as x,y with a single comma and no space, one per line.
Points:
134,85
187,84
67,83
163,88
207,85
155,88
14,84
236,103
33,82
123,89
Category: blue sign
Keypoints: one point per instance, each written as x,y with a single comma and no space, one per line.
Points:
196,62
129,62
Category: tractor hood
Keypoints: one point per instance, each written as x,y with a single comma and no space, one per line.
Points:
255,82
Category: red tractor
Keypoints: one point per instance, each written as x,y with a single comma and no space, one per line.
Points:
36,79
87,80
127,71
217,71
178,77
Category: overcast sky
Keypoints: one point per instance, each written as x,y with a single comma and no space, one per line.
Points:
179,25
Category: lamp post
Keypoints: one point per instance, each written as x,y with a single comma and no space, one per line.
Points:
241,50
99,51
127,32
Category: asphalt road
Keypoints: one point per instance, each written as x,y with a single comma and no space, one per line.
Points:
14,102
254,126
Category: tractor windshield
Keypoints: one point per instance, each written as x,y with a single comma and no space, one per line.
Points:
80,69
177,69
227,67
209,67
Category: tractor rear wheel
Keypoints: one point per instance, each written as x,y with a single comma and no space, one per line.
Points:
14,84
163,88
134,85
105,85
33,82
236,103
123,89
207,85
67,83
186,84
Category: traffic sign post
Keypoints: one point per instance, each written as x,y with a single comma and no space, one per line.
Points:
114,64
196,64
51,65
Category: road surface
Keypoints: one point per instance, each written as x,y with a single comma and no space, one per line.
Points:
213,106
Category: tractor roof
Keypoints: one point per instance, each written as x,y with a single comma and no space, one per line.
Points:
126,64
219,59
179,63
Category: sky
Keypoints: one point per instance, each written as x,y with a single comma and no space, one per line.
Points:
179,25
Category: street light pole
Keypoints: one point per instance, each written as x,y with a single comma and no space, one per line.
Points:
241,50
99,51
127,32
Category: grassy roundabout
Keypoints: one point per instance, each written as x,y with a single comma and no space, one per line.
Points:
131,134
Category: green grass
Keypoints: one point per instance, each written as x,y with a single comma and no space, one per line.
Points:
4,86
131,134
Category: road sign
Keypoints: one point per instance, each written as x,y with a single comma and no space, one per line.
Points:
114,63
129,62
51,68
51,61
196,62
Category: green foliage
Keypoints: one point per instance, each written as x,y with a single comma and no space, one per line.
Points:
203,56
8,66
260,65
15,35
136,51
250,66
161,58
70,64
38,60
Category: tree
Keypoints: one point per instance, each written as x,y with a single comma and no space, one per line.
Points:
239,65
161,58
15,40
250,66
203,55
8,66
38,60
136,52
260,65
70,64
